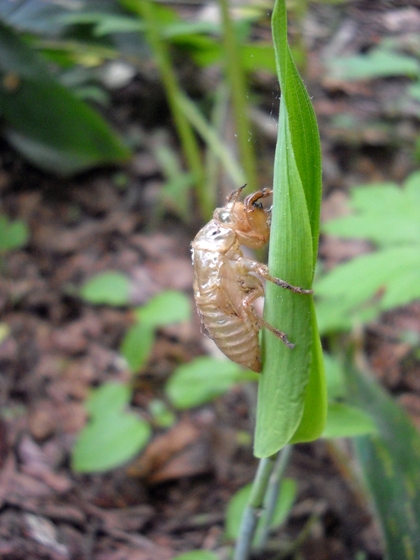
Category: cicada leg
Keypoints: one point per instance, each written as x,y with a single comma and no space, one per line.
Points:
262,270
262,323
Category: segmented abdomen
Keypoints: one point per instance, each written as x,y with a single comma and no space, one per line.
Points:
236,337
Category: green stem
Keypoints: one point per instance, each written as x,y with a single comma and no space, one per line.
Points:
272,496
189,143
209,135
218,116
236,77
253,510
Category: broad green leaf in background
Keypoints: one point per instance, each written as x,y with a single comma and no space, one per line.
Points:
109,397
358,290
292,395
392,275
108,288
104,23
344,420
43,120
384,213
390,466
335,378
166,308
202,380
338,314
33,15
237,504
112,436
13,234
137,345
377,63
414,90
257,56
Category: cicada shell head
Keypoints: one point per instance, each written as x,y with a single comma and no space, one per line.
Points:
249,219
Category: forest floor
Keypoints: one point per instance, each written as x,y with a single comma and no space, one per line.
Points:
57,346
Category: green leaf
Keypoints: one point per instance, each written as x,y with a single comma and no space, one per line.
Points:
385,214
35,16
390,466
51,127
13,234
335,378
286,499
238,503
393,271
377,63
164,309
344,420
137,345
105,23
112,436
109,288
109,441
414,90
197,555
338,314
292,395
202,380
109,397
357,291
259,57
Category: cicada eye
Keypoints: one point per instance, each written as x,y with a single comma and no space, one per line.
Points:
257,205
225,216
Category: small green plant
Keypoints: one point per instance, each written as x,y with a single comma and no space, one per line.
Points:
113,434
107,288
203,380
14,234
359,290
164,309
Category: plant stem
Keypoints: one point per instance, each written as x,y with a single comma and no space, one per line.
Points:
209,135
236,77
254,509
189,143
272,496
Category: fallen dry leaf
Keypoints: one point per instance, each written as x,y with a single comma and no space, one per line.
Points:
164,449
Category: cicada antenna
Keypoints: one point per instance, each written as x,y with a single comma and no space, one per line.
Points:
234,195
